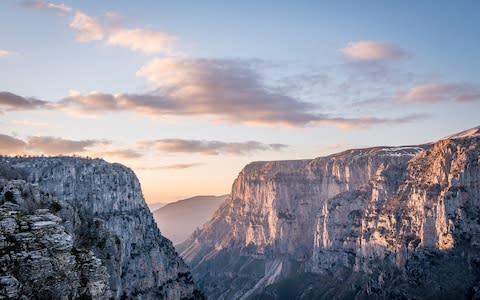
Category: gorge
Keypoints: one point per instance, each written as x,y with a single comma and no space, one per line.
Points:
381,223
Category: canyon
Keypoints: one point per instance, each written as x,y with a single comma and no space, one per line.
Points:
380,222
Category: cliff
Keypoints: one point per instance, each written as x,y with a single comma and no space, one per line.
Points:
383,222
110,222
39,257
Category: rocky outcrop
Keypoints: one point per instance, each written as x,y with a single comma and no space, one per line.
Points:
113,222
384,222
39,258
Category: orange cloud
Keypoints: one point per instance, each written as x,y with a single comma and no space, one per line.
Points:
372,51
121,153
10,144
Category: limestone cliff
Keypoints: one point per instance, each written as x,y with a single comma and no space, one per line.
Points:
111,221
39,258
384,222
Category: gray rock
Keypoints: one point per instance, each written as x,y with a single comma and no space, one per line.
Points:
38,257
383,222
92,205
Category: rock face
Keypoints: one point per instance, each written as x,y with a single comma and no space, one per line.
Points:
39,258
110,224
382,222
178,220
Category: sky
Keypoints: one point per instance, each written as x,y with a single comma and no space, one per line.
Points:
186,93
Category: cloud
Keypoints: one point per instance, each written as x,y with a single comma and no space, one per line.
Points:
54,145
172,166
10,102
366,122
93,103
231,90
61,9
86,27
10,144
45,145
122,153
206,147
145,40
49,145
4,53
107,28
372,51
440,92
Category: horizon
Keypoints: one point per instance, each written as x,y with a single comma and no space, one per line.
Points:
187,95
184,198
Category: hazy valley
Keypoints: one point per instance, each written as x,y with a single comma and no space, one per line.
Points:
178,220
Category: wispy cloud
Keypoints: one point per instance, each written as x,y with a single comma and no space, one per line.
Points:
10,101
49,145
86,28
45,145
4,53
121,153
226,90
55,145
61,9
372,51
94,103
145,40
366,122
172,166
107,28
441,92
206,147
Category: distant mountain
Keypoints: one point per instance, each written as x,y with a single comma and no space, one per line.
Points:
154,206
178,220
